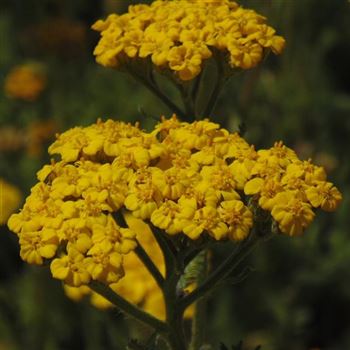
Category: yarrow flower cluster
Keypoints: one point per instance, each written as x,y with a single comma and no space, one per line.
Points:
25,82
181,35
194,179
10,198
137,286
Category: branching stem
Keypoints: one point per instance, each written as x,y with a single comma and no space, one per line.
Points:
149,264
153,87
220,273
129,308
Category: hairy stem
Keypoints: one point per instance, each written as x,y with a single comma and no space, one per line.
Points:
128,308
174,315
149,264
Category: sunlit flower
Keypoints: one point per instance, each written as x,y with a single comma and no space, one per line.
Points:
180,36
194,180
292,214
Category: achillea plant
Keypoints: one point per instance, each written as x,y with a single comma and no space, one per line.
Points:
128,215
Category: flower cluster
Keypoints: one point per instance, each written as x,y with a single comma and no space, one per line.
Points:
137,286
194,179
25,82
190,178
67,219
10,198
290,188
180,35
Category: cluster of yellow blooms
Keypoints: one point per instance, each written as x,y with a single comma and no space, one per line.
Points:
25,82
10,198
180,35
137,286
195,179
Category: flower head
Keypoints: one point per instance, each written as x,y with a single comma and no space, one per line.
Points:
179,36
191,179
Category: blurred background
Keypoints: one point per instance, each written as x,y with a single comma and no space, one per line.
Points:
298,295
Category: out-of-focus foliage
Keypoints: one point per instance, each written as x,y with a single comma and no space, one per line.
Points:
298,296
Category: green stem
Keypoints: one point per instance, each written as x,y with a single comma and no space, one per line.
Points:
168,249
195,91
149,264
174,315
220,273
187,101
129,308
199,317
156,91
220,80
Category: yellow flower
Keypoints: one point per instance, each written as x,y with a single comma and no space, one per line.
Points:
172,183
279,155
38,245
237,217
143,196
104,264
244,55
109,236
190,179
76,232
25,82
10,198
220,177
186,60
324,195
292,214
157,46
168,218
267,189
205,219
71,268
181,35
307,171
137,285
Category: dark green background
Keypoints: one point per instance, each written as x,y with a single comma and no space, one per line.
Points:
298,295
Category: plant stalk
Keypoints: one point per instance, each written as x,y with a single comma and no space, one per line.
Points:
220,273
156,91
199,317
149,264
128,308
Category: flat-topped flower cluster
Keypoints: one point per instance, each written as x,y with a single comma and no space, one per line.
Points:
180,35
193,179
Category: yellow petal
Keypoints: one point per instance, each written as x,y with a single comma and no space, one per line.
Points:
253,186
